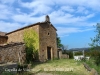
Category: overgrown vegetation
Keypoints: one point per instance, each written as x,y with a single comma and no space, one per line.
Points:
92,64
59,45
32,44
95,45
70,53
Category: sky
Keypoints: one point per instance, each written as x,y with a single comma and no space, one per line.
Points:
73,19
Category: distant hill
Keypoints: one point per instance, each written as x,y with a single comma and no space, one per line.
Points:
79,49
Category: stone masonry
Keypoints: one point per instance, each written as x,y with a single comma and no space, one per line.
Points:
14,52
47,38
3,38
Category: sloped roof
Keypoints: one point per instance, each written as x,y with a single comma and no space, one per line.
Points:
31,26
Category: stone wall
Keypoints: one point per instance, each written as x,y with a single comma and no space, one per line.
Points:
61,55
65,56
3,40
47,39
17,35
13,52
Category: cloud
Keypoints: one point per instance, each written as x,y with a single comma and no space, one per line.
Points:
36,3
25,18
7,1
94,4
38,6
63,13
67,8
7,26
80,10
65,31
60,17
5,11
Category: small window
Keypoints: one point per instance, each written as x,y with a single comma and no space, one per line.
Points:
48,34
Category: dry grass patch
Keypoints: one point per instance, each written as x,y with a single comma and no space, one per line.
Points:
72,67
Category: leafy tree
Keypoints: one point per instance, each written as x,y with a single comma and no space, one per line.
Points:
32,44
96,40
59,45
95,45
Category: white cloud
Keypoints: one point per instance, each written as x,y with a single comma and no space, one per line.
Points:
36,3
38,6
7,26
4,14
5,11
65,31
61,12
7,1
62,18
67,8
94,4
42,9
25,18
82,10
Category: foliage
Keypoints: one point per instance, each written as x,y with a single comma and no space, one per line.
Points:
32,44
96,39
59,45
65,47
95,45
78,53
70,53
29,55
91,63
31,39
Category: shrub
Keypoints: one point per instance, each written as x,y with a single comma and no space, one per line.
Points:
97,59
29,56
95,54
31,40
70,53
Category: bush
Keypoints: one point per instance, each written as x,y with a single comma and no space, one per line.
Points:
78,53
31,40
97,60
70,53
96,55
29,55
35,55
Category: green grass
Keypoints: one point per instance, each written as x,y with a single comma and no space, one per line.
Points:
93,65
76,66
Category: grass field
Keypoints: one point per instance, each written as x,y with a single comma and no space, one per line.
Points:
59,67
56,67
93,65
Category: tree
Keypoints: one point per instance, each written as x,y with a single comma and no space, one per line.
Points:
96,39
59,45
95,45
32,44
